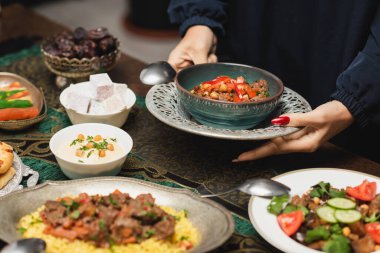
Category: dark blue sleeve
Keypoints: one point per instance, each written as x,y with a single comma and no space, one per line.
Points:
358,87
188,13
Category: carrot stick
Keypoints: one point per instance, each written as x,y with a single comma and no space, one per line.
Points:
18,113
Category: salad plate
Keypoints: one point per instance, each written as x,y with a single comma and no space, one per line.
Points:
300,181
162,101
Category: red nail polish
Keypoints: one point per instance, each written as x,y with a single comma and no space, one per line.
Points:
280,121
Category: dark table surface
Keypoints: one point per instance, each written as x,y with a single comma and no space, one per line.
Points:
188,159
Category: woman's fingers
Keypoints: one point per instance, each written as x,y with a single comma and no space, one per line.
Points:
212,58
305,140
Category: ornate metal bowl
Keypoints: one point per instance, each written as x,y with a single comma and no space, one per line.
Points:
80,69
213,221
37,98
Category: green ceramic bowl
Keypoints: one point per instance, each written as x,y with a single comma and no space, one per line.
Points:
221,114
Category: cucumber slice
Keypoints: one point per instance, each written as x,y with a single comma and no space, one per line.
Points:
327,213
348,216
341,203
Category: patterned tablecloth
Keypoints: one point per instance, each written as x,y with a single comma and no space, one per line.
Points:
148,134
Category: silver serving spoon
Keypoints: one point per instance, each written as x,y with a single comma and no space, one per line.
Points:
29,245
257,187
157,73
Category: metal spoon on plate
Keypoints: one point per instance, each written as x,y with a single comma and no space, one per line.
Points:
157,73
260,187
29,245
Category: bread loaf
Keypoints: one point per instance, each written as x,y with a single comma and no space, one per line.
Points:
6,177
6,157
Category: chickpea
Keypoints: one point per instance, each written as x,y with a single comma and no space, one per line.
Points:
316,200
214,95
110,147
79,152
97,137
223,87
377,247
102,153
364,207
206,85
346,231
80,137
89,145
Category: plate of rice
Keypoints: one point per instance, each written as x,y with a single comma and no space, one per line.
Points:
114,214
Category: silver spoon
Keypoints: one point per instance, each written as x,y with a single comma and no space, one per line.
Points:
257,187
29,245
157,73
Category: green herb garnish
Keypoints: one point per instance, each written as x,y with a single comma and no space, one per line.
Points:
318,233
321,189
102,224
276,204
337,244
75,214
90,153
372,218
113,139
74,142
80,161
184,237
177,218
149,233
21,230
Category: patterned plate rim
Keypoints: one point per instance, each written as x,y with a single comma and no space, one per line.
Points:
14,183
155,104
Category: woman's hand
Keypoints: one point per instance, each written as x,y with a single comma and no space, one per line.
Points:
320,125
197,46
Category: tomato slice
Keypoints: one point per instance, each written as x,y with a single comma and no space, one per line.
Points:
373,229
365,191
290,222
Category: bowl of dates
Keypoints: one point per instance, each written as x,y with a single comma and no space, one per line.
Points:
81,53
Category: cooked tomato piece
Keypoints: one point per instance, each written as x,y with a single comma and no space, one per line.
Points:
365,191
290,222
218,80
251,93
373,229
236,98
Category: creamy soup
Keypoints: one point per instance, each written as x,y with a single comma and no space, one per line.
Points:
90,149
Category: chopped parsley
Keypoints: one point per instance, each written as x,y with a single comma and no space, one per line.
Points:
74,142
149,233
184,238
80,161
90,153
113,139
75,214
177,218
102,224
21,230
